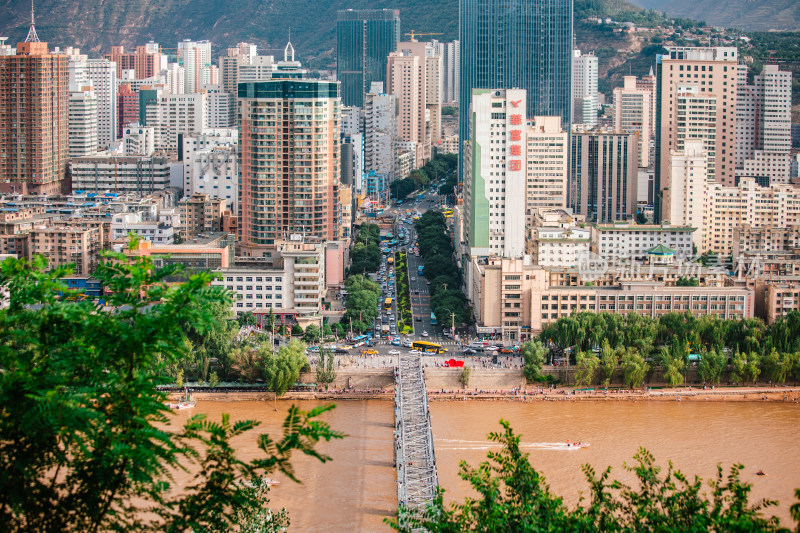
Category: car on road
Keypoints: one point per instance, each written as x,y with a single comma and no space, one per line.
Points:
425,334
506,350
396,341
418,318
413,279
394,352
341,350
469,351
369,352
407,343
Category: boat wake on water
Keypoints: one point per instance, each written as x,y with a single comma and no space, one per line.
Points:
459,444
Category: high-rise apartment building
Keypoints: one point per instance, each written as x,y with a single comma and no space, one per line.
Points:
684,202
174,114
584,89
451,58
696,99
102,73
632,107
221,108
364,39
547,154
603,176
763,124
82,122
127,107
195,57
495,173
145,62
380,134
517,43
413,75
289,161
34,106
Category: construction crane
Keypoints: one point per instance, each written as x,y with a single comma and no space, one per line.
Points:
413,34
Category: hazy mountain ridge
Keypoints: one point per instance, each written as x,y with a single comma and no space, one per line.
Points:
750,15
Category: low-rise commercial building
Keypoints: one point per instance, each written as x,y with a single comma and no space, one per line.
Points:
624,242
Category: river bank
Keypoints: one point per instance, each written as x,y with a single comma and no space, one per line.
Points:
526,395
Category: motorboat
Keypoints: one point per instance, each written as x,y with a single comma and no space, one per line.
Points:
577,444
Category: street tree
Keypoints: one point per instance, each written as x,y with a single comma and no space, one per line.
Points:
586,364
533,354
711,366
282,369
312,334
634,369
326,373
608,363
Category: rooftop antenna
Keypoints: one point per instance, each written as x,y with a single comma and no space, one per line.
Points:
289,50
32,37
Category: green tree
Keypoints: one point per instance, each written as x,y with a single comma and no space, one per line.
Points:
282,369
297,330
312,334
179,378
586,364
711,366
608,363
85,443
774,367
634,369
739,367
325,368
247,319
753,367
326,330
464,377
533,354
213,380
246,361
685,281
673,370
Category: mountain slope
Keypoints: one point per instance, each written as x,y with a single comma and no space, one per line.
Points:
751,15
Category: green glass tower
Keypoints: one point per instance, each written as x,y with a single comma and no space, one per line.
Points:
364,39
522,44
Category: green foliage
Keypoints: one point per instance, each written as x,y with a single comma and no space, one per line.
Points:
673,370
247,319
297,330
363,297
449,111
533,354
85,443
325,367
711,366
366,254
608,362
312,334
586,364
463,378
634,369
282,370
213,380
511,495
441,269
684,281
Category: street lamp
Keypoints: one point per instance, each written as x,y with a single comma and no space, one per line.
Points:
452,322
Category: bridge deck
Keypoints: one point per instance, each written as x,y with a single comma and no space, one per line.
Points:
417,480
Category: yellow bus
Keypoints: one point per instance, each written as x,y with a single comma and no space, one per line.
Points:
428,347
387,304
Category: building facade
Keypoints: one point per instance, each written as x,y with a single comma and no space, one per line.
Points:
527,45
603,176
584,89
364,40
289,161
632,107
495,173
696,99
34,101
